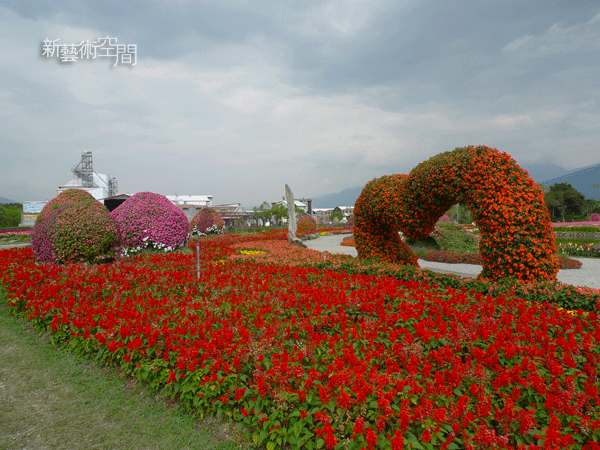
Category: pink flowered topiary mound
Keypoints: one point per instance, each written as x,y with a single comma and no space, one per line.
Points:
306,223
444,218
65,198
207,222
594,218
74,227
148,220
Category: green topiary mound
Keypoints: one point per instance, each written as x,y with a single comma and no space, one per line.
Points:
207,222
74,227
306,223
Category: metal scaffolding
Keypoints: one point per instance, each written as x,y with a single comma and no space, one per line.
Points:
85,170
112,186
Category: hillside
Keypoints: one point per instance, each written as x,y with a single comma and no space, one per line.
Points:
582,179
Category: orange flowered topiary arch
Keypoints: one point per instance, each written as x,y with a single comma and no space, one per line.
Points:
516,233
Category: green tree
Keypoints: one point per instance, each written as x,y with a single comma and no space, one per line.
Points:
564,199
555,203
589,206
299,212
263,212
10,215
278,213
545,189
3,217
336,215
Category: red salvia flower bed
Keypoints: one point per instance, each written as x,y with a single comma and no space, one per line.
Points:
324,358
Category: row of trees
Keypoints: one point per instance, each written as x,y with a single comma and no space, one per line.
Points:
274,214
277,214
564,202
10,215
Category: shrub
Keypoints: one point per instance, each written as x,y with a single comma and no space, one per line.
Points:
594,218
10,216
444,218
350,220
306,223
148,220
207,222
449,257
74,230
427,242
576,229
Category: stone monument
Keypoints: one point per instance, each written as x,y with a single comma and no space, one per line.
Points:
292,226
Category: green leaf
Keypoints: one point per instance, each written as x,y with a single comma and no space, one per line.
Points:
262,437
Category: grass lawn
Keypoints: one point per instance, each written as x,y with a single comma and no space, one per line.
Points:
51,399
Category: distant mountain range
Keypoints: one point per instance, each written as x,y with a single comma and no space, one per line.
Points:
347,197
585,179
581,179
5,200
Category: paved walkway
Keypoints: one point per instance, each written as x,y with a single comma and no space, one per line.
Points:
588,275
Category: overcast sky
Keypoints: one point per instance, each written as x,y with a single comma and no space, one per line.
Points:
237,98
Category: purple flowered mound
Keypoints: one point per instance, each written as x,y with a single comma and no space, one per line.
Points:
150,220
75,232
444,218
41,238
594,218
207,222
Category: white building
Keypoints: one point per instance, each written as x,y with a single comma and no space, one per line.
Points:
347,210
99,191
191,200
298,203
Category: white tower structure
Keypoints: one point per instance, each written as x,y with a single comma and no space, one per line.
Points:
99,185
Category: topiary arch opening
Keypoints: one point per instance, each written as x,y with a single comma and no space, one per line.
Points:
517,240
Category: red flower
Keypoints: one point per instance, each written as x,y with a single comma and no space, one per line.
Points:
371,438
